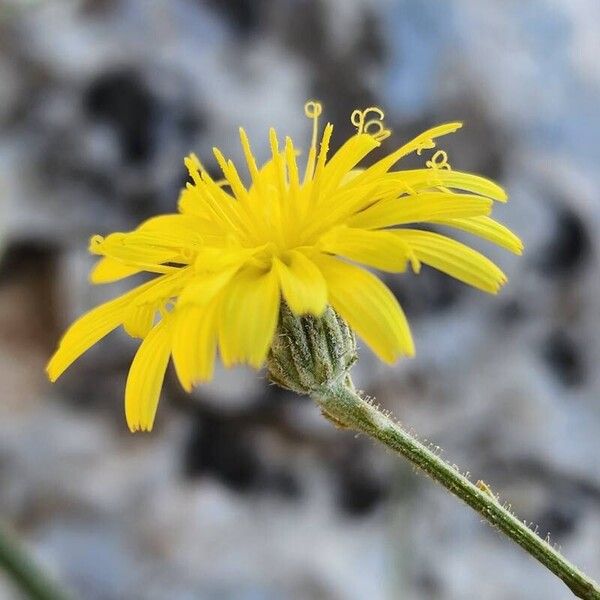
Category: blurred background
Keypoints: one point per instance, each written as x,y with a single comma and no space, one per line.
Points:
243,491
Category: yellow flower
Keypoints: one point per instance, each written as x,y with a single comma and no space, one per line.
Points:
224,263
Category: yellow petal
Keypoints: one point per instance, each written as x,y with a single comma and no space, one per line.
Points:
378,249
351,176
338,208
302,284
454,259
204,287
167,238
107,270
135,249
248,317
212,259
160,289
199,198
139,320
250,160
192,202
100,321
345,159
369,308
146,376
416,180
488,229
234,181
265,176
84,333
231,176
420,207
195,337
195,343
218,206
320,175
422,141
182,229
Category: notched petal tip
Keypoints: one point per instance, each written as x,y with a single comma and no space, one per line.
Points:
258,362
518,247
138,427
495,288
406,352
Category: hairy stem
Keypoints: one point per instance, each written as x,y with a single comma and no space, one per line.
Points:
344,407
24,573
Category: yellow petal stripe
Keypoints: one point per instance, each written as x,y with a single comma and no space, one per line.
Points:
454,259
487,229
369,308
139,319
195,343
146,376
427,179
345,159
421,207
84,333
108,270
100,321
302,284
421,142
248,317
378,249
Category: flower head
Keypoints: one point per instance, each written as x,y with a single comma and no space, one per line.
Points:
223,264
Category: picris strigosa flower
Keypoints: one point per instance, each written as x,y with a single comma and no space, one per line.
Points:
222,266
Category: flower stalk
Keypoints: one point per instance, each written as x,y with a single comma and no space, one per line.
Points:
314,356
26,575
345,408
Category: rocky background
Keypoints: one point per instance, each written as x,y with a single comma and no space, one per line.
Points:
244,492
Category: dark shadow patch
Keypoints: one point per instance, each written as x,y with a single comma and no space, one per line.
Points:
27,276
428,292
564,359
511,312
559,521
244,15
122,99
221,449
569,248
360,493
360,489
225,447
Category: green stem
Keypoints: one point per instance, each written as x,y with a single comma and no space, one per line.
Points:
346,408
25,574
